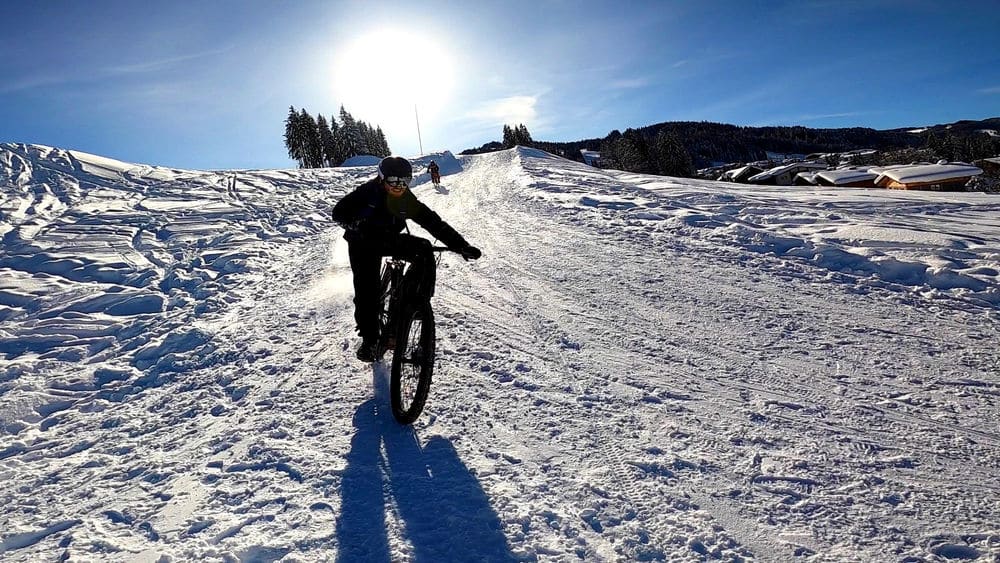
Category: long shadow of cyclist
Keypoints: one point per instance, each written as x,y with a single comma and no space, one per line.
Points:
444,511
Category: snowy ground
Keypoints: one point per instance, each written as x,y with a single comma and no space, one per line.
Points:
640,368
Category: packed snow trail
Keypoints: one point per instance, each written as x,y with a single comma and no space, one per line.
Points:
639,368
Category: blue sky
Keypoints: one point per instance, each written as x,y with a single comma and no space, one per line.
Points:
208,84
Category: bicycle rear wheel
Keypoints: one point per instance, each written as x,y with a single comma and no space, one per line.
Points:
412,363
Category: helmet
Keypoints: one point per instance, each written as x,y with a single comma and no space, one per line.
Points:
395,166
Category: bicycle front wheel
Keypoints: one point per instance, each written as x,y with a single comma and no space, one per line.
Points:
412,363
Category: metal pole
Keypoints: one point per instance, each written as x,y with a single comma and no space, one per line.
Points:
416,115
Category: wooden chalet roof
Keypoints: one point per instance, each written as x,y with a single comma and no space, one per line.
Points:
926,173
847,175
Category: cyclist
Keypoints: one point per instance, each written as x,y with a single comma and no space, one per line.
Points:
374,216
435,171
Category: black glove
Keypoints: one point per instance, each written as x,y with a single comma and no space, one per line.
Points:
470,253
351,225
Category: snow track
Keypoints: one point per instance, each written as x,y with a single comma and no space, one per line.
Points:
639,368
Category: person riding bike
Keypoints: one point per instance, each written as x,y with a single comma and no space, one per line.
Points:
373,217
435,171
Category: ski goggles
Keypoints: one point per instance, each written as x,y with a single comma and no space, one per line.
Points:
398,181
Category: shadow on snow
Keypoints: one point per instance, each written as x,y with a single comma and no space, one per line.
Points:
444,512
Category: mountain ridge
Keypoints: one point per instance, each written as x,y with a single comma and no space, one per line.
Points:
711,143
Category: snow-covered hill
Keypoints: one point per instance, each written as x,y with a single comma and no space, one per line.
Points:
639,368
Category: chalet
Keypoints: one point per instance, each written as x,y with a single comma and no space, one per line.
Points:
784,175
592,158
938,177
805,178
741,174
990,166
853,177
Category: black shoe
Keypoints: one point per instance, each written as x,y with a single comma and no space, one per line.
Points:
368,351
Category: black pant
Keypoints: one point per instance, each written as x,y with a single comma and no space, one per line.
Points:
366,260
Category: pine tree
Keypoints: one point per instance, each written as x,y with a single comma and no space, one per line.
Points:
633,152
340,141
522,137
293,137
353,143
609,150
326,141
309,133
365,137
383,144
669,156
508,137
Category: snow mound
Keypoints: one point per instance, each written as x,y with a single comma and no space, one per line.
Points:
362,160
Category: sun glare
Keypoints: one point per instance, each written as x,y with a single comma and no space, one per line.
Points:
380,76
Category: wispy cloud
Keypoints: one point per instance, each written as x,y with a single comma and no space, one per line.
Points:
158,65
993,90
32,82
815,117
629,83
775,120
61,77
513,109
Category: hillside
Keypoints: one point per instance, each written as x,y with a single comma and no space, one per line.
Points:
639,368
710,144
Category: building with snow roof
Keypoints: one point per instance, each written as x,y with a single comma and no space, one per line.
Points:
805,178
938,177
784,175
853,177
741,174
990,166
592,158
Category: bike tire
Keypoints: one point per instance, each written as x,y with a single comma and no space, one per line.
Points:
412,363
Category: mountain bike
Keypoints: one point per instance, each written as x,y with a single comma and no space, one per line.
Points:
406,324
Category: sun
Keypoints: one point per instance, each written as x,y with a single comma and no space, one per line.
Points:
381,76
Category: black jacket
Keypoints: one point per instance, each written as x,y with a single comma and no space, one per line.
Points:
370,214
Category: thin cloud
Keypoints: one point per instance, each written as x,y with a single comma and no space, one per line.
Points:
80,76
629,84
513,109
802,118
993,90
161,64
32,82
814,117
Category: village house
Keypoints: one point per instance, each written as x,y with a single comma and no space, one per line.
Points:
942,176
853,177
741,174
592,158
784,175
990,166
805,178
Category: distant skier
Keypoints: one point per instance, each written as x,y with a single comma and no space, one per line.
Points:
374,216
435,172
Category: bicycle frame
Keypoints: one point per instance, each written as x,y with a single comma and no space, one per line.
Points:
392,281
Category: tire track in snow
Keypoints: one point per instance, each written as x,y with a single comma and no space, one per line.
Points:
628,482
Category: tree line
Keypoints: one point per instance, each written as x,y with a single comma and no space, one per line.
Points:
663,154
678,148
317,142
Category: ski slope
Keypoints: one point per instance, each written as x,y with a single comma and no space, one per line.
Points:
640,368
